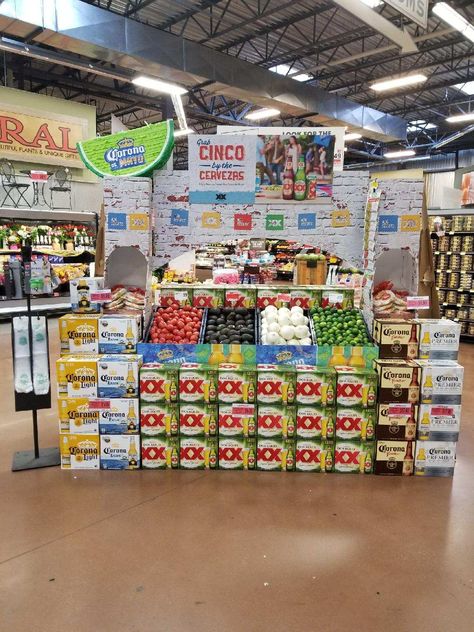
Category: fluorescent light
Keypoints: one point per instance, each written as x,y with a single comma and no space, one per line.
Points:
285,69
352,136
454,19
183,132
420,125
262,114
399,82
460,118
403,153
372,3
158,85
467,88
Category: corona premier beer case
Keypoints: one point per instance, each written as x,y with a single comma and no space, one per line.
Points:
435,458
198,453
119,452
355,424
394,458
79,452
237,453
237,420
198,419
197,383
441,382
439,422
276,384
77,375
159,418
275,454
397,338
236,384
118,375
118,416
118,334
82,291
439,339
160,453
313,455
396,422
77,416
315,386
398,381
276,421
159,383
79,333
356,387
315,422
353,457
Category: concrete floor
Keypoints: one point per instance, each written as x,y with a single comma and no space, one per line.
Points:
231,551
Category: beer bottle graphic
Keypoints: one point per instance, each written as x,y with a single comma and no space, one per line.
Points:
288,181
173,390
235,356
357,357
428,389
129,346
330,395
370,431
83,296
371,396
425,345
173,424
130,381
368,462
132,421
328,461
212,389
132,455
300,181
217,354
420,462
290,460
174,458
212,459
290,426
212,425
251,426
407,469
414,388
251,392
251,459
425,423
412,347
290,395
330,428
410,429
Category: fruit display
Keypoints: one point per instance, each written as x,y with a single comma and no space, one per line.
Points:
176,325
227,325
334,326
284,326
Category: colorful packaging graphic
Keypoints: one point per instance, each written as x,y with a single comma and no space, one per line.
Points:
237,453
315,385
118,334
83,295
240,296
119,452
159,418
208,297
198,383
354,457
398,381
396,422
394,458
355,423
275,454
198,453
237,420
79,333
118,416
160,453
159,382
77,376
76,417
356,387
79,452
439,339
435,458
276,384
439,422
397,338
118,375
315,422
302,296
441,382
314,455
276,421
236,383
198,419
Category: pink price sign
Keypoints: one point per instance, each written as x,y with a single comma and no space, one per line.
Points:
399,409
99,404
101,296
418,302
242,410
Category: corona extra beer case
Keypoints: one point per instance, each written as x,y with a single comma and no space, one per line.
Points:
119,452
118,334
398,381
275,454
354,457
396,422
439,422
315,386
439,339
79,452
160,453
315,422
237,453
237,420
118,375
77,375
83,295
276,384
118,416
441,382
276,421
198,419
356,387
159,418
79,333
394,458
198,453
236,384
159,383
197,383
397,338
314,455
355,423
76,416
435,458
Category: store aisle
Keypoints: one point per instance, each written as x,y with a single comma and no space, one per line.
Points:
176,551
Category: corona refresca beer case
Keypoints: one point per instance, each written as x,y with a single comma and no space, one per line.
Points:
198,453
394,458
435,458
160,453
120,452
397,338
398,381
315,386
198,419
315,422
77,375
197,383
439,422
79,333
356,387
236,384
441,382
396,422
118,416
118,334
276,384
159,418
314,455
237,453
118,375
439,339
76,416
159,383
355,423
276,421
237,420
79,452
275,454
354,457
83,294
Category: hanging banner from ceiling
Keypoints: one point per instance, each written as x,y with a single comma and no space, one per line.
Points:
135,152
416,10
221,169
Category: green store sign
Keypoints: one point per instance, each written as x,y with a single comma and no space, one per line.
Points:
134,152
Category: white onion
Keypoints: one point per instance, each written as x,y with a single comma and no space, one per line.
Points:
272,338
287,332
296,309
270,309
305,341
297,319
301,331
274,327
294,341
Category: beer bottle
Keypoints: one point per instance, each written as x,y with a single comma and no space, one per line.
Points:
424,431
251,392
290,426
235,356
212,389
369,433
407,469
290,395
83,296
131,417
130,381
412,347
174,458
371,396
420,460
425,345
288,181
132,455
410,429
428,389
290,460
251,426
330,395
173,390
129,336
328,461
368,462
414,388
212,425
300,181
173,424
330,428
212,459
251,459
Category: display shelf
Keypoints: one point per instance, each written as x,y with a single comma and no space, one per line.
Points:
53,304
450,252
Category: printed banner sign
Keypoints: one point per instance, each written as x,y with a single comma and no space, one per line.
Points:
417,10
211,219
388,223
275,222
221,169
131,221
418,302
179,217
410,223
242,221
341,218
306,221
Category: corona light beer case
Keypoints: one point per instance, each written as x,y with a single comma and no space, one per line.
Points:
159,418
313,455
159,383
276,384
397,338
237,420
237,453
236,384
197,383
79,333
276,421
439,339
77,376
240,296
435,458
118,416
118,375
398,381
198,419
354,457
315,422
118,334
83,295
208,297
439,422
198,453
76,416
441,381
394,458
275,454
356,387
355,423
79,452
160,453
396,422
315,385
119,452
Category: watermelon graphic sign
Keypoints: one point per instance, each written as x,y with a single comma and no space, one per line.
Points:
133,152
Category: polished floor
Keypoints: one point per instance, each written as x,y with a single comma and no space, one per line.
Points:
231,552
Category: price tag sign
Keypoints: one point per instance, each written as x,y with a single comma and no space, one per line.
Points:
399,409
418,302
242,410
232,296
157,299
442,411
181,296
99,404
284,298
101,296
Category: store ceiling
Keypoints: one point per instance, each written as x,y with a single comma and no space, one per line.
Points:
341,55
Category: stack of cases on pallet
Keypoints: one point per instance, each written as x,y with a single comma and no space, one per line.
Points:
97,377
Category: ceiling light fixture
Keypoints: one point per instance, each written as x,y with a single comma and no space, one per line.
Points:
183,132
460,118
454,19
403,153
372,3
264,113
467,87
286,71
158,85
352,136
399,82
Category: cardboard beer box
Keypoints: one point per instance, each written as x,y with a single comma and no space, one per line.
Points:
118,416
276,421
77,376
441,382
355,424
237,453
79,333
198,419
240,296
394,458
83,294
208,297
198,453
119,452
314,455
340,297
159,418
267,295
159,382
79,452
315,385
439,422
398,381
439,339
276,384
435,458
76,417
396,422
237,420
354,457
118,375
397,338
118,334
198,383
305,297
356,387
315,422
236,383
160,453
175,295
275,454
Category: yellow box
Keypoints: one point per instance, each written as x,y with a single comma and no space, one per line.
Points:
77,375
79,333
77,416
79,452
